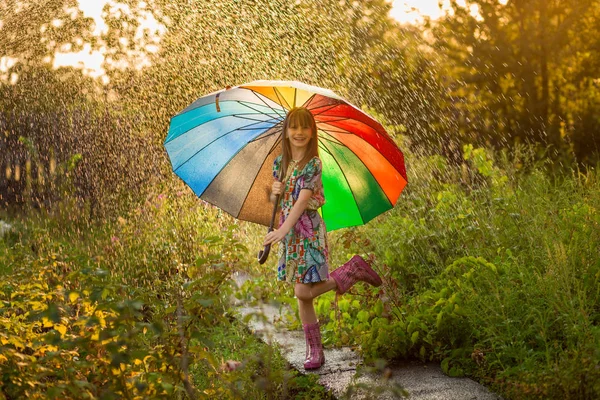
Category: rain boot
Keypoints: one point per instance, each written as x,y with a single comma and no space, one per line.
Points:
357,269
315,356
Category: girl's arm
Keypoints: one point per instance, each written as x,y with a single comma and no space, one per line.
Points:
295,213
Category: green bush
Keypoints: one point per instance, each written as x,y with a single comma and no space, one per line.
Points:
491,268
132,308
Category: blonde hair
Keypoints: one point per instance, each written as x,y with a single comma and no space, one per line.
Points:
298,117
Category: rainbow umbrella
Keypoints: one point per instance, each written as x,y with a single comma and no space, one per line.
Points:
224,144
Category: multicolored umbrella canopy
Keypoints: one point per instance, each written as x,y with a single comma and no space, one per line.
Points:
224,144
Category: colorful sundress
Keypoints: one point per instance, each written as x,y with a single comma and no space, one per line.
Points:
303,253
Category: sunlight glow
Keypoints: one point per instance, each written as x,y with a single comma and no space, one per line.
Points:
414,11
6,64
91,61
93,9
87,60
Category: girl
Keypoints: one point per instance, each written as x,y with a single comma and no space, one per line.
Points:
303,250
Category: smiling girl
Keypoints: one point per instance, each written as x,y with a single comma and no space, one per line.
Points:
303,250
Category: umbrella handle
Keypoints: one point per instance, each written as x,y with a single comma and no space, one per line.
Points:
264,253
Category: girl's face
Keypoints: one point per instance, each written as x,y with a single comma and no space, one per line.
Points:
299,136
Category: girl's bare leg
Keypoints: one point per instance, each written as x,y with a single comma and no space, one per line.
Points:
306,294
307,312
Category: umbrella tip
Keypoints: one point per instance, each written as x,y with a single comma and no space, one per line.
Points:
217,98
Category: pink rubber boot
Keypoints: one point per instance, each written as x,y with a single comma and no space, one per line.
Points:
356,269
314,357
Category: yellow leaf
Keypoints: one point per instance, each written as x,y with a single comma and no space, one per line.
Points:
61,328
73,296
138,362
3,358
44,349
96,336
46,323
16,342
101,319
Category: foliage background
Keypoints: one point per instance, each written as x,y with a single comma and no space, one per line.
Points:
490,258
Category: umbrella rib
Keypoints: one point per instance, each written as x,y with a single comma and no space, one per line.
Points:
281,99
208,144
353,119
312,96
231,158
195,108
225,116
325,148
273,147
325,110
194,127
330,137
347,132
346,179
257,111
242,128
344,118
364,165
249,119
262,100
337,141
261,137
215,94
295,96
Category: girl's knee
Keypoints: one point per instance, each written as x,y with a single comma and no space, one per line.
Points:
303,292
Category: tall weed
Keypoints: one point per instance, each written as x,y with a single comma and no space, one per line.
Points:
492,268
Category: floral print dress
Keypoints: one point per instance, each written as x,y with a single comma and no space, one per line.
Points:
303,253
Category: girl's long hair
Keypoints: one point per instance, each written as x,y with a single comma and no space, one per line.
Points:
298,117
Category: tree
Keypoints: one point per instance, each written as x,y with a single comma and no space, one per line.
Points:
509,65
60,112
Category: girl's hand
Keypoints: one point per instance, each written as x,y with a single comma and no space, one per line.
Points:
274,236
276,188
